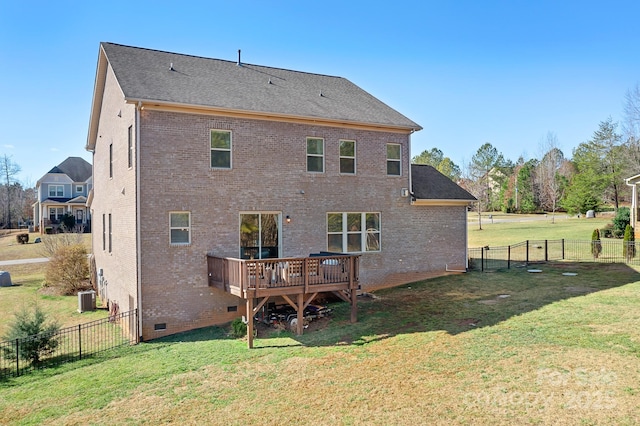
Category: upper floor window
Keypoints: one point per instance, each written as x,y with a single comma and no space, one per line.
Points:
220,149
130,146
394,151
79,188
348,157
180,228
353,232
56,190
315,155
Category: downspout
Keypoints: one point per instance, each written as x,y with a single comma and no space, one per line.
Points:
410,180
138,227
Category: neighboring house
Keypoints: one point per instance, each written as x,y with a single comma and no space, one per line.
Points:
63,191
213,176
633,182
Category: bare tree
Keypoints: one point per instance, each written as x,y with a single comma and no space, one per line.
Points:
8,172
548,181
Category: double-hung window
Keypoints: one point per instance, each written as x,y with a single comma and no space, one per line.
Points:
394,152
180,228
353,232
220,149
315,155
348,157
56,190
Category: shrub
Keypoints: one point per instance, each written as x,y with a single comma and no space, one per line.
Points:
22,238
68,269
51,244
629,243
596,244
607,231
31,322
238,328
620,221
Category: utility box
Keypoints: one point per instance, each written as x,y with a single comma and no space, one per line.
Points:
86,301
5,279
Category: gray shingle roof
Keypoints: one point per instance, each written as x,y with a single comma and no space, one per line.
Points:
164,77
77,168
430,184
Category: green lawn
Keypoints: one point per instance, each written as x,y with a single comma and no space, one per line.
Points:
511,229
499,348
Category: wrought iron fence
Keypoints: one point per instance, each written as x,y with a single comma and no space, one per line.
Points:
69,344
537,251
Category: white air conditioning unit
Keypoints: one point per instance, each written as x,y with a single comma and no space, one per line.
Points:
86,301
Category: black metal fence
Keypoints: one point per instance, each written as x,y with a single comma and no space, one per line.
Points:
69,344
537,251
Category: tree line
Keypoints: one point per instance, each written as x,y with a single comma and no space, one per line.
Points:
594,177
16,198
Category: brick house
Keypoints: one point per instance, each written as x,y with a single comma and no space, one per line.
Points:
63,191
196,157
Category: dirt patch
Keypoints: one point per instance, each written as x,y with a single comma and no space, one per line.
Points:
469,322
580,290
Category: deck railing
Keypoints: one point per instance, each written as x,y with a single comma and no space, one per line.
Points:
240,275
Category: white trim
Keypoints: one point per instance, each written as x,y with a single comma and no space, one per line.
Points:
230,150
306,148
354,158
364,232
399,160
180,228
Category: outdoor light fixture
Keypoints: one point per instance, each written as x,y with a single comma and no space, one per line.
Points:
404,192
288,219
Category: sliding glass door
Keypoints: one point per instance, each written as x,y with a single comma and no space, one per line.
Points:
259,235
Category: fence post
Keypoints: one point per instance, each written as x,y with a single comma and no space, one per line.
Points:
508,257
563,249
17,357
482,259
80,339
527,256
546,250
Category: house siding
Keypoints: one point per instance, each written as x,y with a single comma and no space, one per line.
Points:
115,196
268,174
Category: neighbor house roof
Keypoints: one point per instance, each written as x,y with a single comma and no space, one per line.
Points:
164,78
433,188
77,168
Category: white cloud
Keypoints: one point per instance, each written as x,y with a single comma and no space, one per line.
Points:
8,146
54,150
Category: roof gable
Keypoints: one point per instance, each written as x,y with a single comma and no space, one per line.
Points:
77,168
429,184
164,77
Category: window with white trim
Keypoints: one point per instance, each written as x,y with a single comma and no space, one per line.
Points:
394,152
348,157
353,232
56,190
315,155
220,149
79,188
180,228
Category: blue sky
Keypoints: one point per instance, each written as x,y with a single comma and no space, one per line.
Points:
469,72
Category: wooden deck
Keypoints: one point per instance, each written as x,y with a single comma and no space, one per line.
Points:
297,280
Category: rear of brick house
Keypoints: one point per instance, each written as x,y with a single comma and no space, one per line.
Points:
195,156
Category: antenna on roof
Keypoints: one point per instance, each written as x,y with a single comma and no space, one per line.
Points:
171,67
239,62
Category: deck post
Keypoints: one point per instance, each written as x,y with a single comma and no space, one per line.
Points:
250,321
353,290
300,308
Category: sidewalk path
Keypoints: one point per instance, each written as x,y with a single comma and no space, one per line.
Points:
23,261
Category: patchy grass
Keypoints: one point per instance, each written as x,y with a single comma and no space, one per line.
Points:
27,289
500,348
10,249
